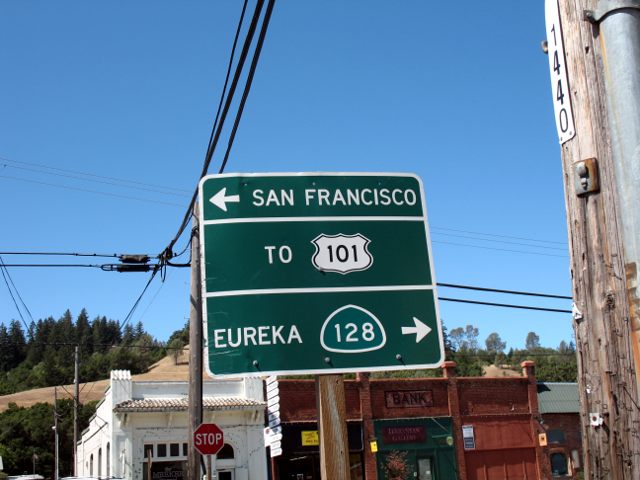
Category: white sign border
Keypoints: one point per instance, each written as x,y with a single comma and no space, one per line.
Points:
321,371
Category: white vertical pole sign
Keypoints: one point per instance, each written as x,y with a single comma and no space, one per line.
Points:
558,70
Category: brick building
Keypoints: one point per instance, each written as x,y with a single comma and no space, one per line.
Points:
560,412
436,428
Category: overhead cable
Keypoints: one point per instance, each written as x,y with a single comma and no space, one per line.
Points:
9,283
79,189
506,305
247,86
508,242
497,290
113,180
499,249
69,254
220,119
496,235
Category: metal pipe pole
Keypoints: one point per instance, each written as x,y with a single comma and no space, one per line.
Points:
619,28
195,349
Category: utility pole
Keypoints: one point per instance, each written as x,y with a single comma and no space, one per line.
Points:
195,349
56,470
76,408
332,423
604,275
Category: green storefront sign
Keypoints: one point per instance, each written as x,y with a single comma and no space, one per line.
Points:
421,448
317,273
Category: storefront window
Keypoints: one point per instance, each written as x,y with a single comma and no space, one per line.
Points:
555,436
162,450
226,452
559,464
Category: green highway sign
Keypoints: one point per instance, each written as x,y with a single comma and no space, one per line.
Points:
317,273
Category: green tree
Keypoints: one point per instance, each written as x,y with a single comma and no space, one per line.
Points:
495,344
471,335
457,338
17,344
84,335
532,342
27,431
5,354
177,342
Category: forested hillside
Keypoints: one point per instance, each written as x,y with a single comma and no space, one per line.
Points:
43,354
27,439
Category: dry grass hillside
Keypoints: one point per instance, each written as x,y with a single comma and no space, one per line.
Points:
166,369
495,371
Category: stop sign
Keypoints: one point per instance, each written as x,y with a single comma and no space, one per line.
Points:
208,439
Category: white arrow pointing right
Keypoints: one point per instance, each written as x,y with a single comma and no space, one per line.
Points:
221,199
421,330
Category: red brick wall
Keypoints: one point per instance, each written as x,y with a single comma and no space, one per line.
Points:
298,400
501,431
487,396
437,386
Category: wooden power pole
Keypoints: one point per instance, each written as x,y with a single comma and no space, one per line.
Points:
76,409
332,422
604,318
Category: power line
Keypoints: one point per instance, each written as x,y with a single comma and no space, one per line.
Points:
497,290
87,190
506,305
220,119
115,180
499,249
114,267
68,254
167,254
471,237
249,82
158,345
137,302
226,79
111,267
7,279
163,346
107,267
497,235
104,182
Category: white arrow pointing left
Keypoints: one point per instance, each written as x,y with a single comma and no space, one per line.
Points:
221,199
420,330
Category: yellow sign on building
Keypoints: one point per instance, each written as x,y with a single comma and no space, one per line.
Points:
310,438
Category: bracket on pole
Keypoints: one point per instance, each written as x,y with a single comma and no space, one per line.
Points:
605,7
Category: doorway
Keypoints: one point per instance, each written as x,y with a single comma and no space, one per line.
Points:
425,468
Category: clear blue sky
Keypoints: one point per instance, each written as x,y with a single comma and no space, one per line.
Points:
457,93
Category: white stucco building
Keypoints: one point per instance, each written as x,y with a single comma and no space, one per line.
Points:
141,428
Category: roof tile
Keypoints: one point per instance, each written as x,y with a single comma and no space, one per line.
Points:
182,404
